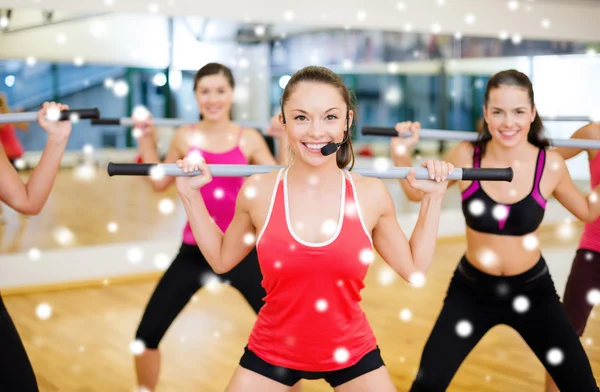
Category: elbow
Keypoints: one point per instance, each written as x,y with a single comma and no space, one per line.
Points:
587,219
218,266
158,187
416,278
220,269
590,217
29,209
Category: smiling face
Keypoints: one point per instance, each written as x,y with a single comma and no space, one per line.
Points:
214,95
509,114
315,115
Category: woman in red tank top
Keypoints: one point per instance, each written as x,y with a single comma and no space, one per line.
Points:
314,226
585,270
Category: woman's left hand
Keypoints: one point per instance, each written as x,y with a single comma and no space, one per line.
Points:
438,172
275,129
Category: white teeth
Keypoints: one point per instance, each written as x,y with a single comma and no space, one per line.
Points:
315,146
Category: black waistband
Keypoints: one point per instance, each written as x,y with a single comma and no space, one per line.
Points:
473,274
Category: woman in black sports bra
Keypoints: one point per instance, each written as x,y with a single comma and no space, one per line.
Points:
503,278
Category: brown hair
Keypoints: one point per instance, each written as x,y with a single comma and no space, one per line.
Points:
345,154
215,69
513,77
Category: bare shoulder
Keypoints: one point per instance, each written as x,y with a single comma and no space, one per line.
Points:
461,155
182,131
364,182
259,187
591,131
371,191
554,161
181,137
251,134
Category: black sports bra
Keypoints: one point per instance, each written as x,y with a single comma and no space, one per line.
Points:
487,216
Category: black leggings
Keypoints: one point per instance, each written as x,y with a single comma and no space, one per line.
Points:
584,276
484,301
183,279
16,373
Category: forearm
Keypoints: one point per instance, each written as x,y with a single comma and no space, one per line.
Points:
405,161
283,151
148,150
207,234
42,179
424,236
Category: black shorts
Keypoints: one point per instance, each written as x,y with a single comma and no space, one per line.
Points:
371,361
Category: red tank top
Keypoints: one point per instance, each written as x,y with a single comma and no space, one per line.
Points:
590,238
10,141
311,319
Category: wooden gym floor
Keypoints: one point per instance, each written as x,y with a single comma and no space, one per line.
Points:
84,345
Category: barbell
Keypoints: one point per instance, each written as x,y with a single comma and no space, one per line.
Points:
440,134
171,169
64,115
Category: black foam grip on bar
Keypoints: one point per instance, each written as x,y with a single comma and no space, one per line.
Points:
488,174
106,121
129,169
379,131
82,114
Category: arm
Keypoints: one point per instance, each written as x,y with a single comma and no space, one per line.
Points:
260,153
460,156
404,256
29,198
404,160
400,152
589,131
584,208
149,154
283,150
223,251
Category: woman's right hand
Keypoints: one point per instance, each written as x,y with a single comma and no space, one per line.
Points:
143,125
275,129
402,144
191,184
55,129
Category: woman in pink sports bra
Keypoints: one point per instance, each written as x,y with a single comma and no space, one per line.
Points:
585,270
315,225
218,140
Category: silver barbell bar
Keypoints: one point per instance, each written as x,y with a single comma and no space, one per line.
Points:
171,169
440,134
